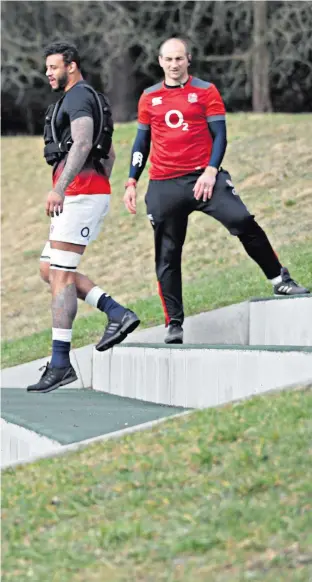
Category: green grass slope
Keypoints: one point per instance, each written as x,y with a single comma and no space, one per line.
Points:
220,495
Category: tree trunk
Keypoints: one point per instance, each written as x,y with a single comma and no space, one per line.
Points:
121,95
261,100
29,120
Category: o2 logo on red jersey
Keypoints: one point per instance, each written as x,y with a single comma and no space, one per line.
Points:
176,122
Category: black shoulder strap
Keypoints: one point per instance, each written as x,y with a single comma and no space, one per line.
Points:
57,107
54,114
96,141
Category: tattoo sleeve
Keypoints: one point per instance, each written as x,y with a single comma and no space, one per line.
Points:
109,163
64,307
82,136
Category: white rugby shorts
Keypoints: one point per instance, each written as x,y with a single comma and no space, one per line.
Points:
80,222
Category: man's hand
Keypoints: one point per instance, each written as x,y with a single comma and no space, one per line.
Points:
54,204
205,184
130,199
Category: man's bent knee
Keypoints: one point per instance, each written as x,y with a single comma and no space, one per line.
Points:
45,263
63,267
241,225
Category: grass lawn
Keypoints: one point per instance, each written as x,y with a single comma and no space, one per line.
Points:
259,157
220,495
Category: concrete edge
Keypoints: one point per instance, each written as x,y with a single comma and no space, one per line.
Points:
28,432
82,444
218,347
278,298
20,443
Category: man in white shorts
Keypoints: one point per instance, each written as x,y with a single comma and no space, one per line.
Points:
77,205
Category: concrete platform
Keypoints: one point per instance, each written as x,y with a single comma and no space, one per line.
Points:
267,321
35,424
227,325
198,376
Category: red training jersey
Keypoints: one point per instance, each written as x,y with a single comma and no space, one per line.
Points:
178,118
88,181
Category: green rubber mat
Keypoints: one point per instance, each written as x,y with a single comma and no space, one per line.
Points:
69,415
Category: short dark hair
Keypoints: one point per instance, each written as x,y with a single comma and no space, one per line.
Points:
68,50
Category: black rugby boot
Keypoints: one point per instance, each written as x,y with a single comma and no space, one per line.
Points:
174,333
116,331
288,286
53,378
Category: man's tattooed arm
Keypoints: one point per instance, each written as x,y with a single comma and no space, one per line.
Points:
82,136
108,164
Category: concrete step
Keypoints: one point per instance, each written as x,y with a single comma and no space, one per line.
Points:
281,321
265,321
198,376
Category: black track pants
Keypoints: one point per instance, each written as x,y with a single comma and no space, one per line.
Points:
169,203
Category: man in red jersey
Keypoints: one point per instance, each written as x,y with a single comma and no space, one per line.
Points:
184,118
77,205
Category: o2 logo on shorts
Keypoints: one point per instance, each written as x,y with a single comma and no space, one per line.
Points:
85,232
176,122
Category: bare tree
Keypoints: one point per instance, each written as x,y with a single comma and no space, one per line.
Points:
248,48
21,54
257,52
97,27
290,44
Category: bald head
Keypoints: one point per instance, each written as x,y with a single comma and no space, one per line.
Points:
173,45
174,59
